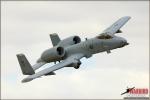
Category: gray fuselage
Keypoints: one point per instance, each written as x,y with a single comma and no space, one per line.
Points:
88,47
95,45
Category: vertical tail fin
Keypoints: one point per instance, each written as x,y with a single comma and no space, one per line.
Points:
55,39
25,65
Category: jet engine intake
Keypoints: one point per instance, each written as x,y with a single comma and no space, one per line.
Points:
76,39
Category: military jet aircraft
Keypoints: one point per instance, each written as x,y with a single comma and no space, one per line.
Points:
69,51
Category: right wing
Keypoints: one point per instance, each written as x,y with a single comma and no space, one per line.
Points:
70,60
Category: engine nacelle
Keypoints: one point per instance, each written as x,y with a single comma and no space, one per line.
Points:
53,54
69,41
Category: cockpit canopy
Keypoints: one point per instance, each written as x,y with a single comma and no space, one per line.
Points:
104,36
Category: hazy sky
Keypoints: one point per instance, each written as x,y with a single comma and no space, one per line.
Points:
26,26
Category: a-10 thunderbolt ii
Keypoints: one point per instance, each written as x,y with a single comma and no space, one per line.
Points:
69,51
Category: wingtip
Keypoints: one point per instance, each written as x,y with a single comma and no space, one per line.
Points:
27,80
128,17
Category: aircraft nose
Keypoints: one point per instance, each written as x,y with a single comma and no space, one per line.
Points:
124,43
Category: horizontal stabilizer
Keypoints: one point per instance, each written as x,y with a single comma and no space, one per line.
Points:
25,65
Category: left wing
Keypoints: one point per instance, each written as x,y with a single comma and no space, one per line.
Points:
70,60
115,28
